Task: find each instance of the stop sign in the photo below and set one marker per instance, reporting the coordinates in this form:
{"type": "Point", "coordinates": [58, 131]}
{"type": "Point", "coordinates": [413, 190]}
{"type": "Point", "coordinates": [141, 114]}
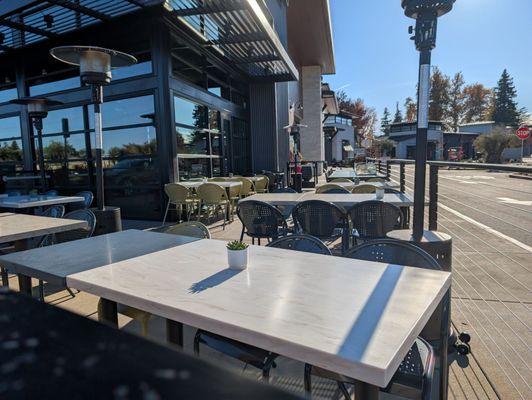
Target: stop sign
{"type": "Point", "coordinates": [523, 133]}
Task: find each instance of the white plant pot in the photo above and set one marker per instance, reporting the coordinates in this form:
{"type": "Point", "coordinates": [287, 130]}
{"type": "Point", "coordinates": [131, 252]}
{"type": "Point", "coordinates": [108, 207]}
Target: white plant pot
{"type": "Point", "coordinates": [237, 259]}
{"type": "Point", "coordinates": [379, 193]}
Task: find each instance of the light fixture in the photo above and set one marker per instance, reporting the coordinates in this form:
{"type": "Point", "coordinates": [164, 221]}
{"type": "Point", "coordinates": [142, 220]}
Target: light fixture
{"type": "Point", "coordinates": [37, 108]}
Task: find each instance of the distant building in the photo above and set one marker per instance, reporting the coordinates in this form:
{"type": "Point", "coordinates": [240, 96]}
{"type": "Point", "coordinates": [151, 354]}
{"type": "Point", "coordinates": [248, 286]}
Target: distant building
{"type": "Point", "coordinates": [339, 134]}
{"type": "Point", "coordinates": [403, 134]}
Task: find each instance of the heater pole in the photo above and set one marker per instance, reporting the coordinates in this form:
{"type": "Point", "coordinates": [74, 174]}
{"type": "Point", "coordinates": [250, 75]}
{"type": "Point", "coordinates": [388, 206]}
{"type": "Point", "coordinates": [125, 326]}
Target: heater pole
{"type": "Point", "coordinates": [37, 123]}
{"type": "Point", "coordinates": [97, 97]}
{"type": "Point", "coordinates": [421, 143]}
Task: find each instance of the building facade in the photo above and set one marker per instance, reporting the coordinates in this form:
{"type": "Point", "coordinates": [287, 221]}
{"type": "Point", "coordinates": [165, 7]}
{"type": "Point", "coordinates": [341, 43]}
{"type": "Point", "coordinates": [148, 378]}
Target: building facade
{"type": "Point", "coordinates": [403, 134]}
{"type": "Point", "coordinates": [340, 142]}
{"type": "Point", "coordinates": [210, 93]}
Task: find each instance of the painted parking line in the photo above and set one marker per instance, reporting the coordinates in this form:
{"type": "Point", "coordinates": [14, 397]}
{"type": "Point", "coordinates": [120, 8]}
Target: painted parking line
{"type": "Point", "coordinates": [515, 201]}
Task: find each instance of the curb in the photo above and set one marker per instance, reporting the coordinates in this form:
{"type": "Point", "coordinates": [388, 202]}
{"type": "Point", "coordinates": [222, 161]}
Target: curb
{"type": "Point", "coordinates": [519, 176]}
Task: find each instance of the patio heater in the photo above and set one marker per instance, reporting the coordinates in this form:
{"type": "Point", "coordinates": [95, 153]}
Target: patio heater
{"type": "Point", "coordinates": [426, 13]}
{"type": "Point", "coordinates": [294, 131]}
{"type": "Point", "coordinates": [95, 65]}
{"type": "Point", "coordinates": [38, 110]}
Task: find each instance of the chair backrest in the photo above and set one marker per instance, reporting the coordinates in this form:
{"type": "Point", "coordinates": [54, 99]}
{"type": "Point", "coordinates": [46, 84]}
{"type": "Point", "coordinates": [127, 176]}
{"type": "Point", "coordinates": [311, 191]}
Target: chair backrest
{"type": "Point", "coordinates": [247, 185]}
{"type": "Point", "coordinates": [392, 191]}
{"type": "Point", "coordinates": [341, 180]}
{"type": "Point", "coordinates": [52, 193]}
{"type": "Point", "coordinates": [55, 211]}
{"type": "Point", "coordinates": [306, 243]}
{"type": "Point", "coordinates": [262, 183]}
{"type": "Point", "coordinates": [217, 179]}
{"type": "Point", "coordinates": [211, 193]}
{"type": "Point", "coordinates": [393, 251]}
{"type": "Point", "coordinates": [373, 219]}
{"type": "Point", "coordinates": [272, 179]}
{"type": "Point", "coordinates": [318, 218]}
{"type": "Point", "coordinates": [13, 193]}
{"type": "Point", "coordinates": [86, 203]}
{"type": "Point", "coordinates": [190, 228]}
{"type": "Point", "coordinates": [331, 188]}
{"type": "Point", "coordinates": [261, 220]}
{"type": "Point", "coordinates": [176, 192]}
{"type": "Point", "coordinates": [375, 180]}
{"type": "Point", "coordinates": [75, 234]}
{"type": "Point", "coordinates": [284, 190]}
{"type": "Point", "coordinates": [364, 189]}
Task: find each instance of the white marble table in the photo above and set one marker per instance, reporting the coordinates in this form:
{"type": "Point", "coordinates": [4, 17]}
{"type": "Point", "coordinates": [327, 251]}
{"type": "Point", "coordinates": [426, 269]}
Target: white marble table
{"type": "Point", "coordinates": [18, 228]}
{"type": "Point", "coordinates": [28, 201]}
{"type": "Point", "coordinates": [343, 173]}
{"type": "Point", "coordinates": [348, 200]}
{"type": "Point", "coordinates": [276, 199]}
{"type": "Point", "coordinates": [353, 317]}
{"type": "Point", "coordinates": [224, 184]}
{"type": "Point", "coordinates": [54, 263]}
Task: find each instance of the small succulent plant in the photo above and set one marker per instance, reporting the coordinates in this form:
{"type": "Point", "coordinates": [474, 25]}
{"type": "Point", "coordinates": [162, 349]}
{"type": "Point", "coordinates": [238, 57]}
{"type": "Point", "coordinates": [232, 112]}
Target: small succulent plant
{"type": "Point", "coordinates": [237, 245]}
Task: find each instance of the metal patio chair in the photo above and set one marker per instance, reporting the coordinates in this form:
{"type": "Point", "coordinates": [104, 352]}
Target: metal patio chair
{"type": "Point", "coordinates": [189, 228]}
{"type": "Point", "coordinates": [344, 180]}
{"type": "Point", "coordinates": [261, 184]}
{"type": "Point", "coordinates": [321, 219]}
{"type": "Point", "coordinates": [331, 188]}
{"type": "Point", "coordinates": [180, 197]}
{"type": "Point", "coordinates": [247, 188]}
{"type": "Point", "coordinates": [214, 198]}
{"type": "Point", "coordinates": [305, 243]}
{"type": "Point", "coordinates": [413, 379]}
{"type": "Point", "coordinates": [82, 205]}
{"type": "Point", "coordinates": [363, 189]}
{"type": "Point", "coordinates": [373, 219]}
{"type": "Point", "coordinates": [52, 193]}
{"type": "Point", "coordinates": [261, 221]}
{"type": "Point", "coordinates": [381, 180]}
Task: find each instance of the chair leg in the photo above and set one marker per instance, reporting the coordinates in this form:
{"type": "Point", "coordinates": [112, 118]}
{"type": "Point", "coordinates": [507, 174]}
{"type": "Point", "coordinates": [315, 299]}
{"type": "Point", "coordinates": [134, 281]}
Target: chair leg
{"type": "Point", "coordinates": [242, 234]}
{"type": "Point", "coordinates": [259, 241]}
{"type": "Point", "coordinates": [307, 380]}
{"type": "Point", "coordinates": [70, 292]}
{"type": "Point", "coordinates": [197, 343]}
{"type": "Point", "coordinates": [166, 212]}
{"type": "Point", "coordinates": [344, 390]}
{"type": "Point", "coordinates": [144, 326]}
{"type": "Point", "coordinates": [41, 291]}
{"type": "Point", "coordinates": [5, 278]}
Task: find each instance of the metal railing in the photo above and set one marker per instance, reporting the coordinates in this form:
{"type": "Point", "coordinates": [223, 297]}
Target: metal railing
{"type": "Point", "coordinates": [384, 166]}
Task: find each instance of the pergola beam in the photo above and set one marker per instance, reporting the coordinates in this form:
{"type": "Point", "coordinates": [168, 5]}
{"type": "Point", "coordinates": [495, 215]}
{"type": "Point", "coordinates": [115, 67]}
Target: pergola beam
{"type": "Point", "coordinates": [210, 8]}
{"type": "Point", "coordinates": [81, 9]}
{"type": "Point", "coordinates": [27, 28]}
{"type": "Point", "coordinates": [242, 38]}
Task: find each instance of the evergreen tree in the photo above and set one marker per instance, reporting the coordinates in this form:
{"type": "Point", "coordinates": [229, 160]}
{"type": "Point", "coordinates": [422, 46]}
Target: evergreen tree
{"type": "Point", "coordinates": [385, 120]}
{"type": "Point", "coordinates": [505, 107]}
{"type": "Point", "coordinates": [439, 95]}
{"type": "Point", "coordinates": [456, 102]}
{"type": "Point", "coordinates": [398, 117]}
{"type": "Point", "coordinates": [410, 110]}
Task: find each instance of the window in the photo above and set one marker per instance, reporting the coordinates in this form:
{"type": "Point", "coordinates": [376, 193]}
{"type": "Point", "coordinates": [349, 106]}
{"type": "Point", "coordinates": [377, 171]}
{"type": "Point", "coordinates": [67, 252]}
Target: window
{"type": "Point", "coordinates": [7, 93]}
{"type": "Point", "coordinates": [10, 145]}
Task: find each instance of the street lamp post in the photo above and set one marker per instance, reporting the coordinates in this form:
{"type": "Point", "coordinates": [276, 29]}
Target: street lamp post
{"type": "Point", "coordinates": [37, 111]}
{"type": "Point", "coordinates": [426, 13]}
{"type": "Point", "coordinates": [95, 64]}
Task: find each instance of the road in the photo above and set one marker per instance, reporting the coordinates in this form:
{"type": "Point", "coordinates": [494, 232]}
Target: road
{"type": "Point", "coordinates": [489, 217]}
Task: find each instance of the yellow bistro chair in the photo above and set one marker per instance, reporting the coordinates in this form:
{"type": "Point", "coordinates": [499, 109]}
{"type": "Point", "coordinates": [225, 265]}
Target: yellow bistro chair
{"type": "Point", "coordinates": [262, 183]}
{"type": "Point", "coordinates": [363, 189]}
{"type": "Point", "coordinates": [179, 196]}
{"type": "Point", "coordinates": [214, 198]}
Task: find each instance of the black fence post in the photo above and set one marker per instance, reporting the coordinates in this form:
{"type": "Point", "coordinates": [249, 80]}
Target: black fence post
{"type": "Point", "coordinates": [379, 166]}
{"type": "Point", "coordinates": [388, 170]}
{"type": "Point", "coordinates": [402, 177]}
{"type": "Point", "coordinates": [433, 198]}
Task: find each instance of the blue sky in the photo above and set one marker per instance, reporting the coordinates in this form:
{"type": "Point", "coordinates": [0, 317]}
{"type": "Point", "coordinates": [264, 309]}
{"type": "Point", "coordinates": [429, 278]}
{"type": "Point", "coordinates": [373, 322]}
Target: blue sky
{"type": "Point", "coordinates": [376, 61]}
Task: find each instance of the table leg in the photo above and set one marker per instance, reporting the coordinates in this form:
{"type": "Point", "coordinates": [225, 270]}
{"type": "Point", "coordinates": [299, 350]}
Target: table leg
{"type": "Point", "coordinates": [5, 278]}
{"type": "Point", "coordinates": [444, 343]}
{"type": "Point", "coordinates": [174, 332]}
{"type": "Point", "coordinates": [107, 312]}
{"type": "Point", "coordinates": [366, 391]}
{"type": "Point", "coordinates": [24, 284]}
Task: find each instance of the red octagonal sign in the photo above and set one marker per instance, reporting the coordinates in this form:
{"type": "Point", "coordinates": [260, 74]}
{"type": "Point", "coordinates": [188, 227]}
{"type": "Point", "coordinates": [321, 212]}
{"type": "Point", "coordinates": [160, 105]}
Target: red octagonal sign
{"type": "Point", "coordinates": [523, 133]}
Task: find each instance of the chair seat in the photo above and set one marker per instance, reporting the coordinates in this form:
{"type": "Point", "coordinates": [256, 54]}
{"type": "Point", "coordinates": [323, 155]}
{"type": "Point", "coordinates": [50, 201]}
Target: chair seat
{"type": "Point", "coordinates": [246, 353]}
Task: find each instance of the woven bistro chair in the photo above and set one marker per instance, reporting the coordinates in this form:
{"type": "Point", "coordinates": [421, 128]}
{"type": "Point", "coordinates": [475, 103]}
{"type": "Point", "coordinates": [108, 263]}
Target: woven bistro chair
{"type": "Point", "coordinates": [251, 355]}
{"type": "Point", "coordinates": [189, 228]}
{"type": "Point", "coordinates": [248, 188]}
{"type": "Point", "coordinates": [305, 243]}
{"type": "Point", "coordinates": [381, 180]}
{"type": "Point", "coordinates": [363, 189]}
{"type": "Point", "coordinates": [214, 198]}
{"type": "Point", "coordinates": [331, 188]}
{"type": "Point", "coordinates": [234, 196]}
{"type": "Point", "coordinates": [85, 203]}
{"type": "Point", "coordinates": [413, 378]}
{"type": "Point", "coordinates": [261, 221]}
{"type": "Point", "coordinates": [261, 184]}
{"type": "Point", "coordinates": [180, 197]}
{"type": "Point", "coordinates": [373, 219]}
{"type": "Point", "coordinates": [321, 219]}
{"type": "Point", "coordinates": [217, 179]}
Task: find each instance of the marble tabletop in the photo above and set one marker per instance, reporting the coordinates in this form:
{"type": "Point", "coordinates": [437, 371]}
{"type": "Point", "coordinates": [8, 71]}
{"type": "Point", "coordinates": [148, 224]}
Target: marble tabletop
{"type": "Point", "coordinates": [353, 317]}
{"type": "Point", "coordinates": [350, 199]}
{"type": "Point", "coordinates": [27, 201]}
{"type": "Point", "coordinates": [343, 173]}
{"type": "Point", "coordinates": [277, 199]}
{"type": "Point", "coordinates": [50, 353]}
{"type": "Point", "coordinates": [22, 226]}
{"type": "Point", "coordinates": [55, 263]}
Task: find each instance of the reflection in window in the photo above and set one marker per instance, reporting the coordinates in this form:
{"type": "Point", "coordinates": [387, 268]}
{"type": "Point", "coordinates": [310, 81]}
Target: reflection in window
{"type": "Point", "coordinates": [10, 145]}
{"type": "Point", "coordinates": [188, 113]}
{"type": "Point", "coordinates": [142, 68]}
{"type": "Point", "coordinates": [55, 86]}
{"type": "Point", "coordinates": [7, 94]}
{"type": "Point", "coordinates": [59, 148]}
{"type": "Point", "coordinates": [135, 110]}
{"type": "Point", "coordinates": [190, 168]}
{"type": "Point", "coordinates": [66, 120]}
{"type": "Point", "coordinates": [128, 142]}
{"type": "Point", "coordinates": [191, 141]}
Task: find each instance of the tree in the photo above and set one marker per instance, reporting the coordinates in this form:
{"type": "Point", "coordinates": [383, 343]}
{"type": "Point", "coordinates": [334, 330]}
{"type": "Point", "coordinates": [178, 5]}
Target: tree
{"type": "Point", "coordinates": [385, 120]}
{"type": "Point", "coordinates": [523, 117]}
{"type": "Point", "coordinates": [410, 110]}
{"type": "Point", "coordinates": [55, 151]}
{"type": "Point", "coordinates": [364, 117]}
{"type": "Point", "coordinates": [505, 107]}
{"type": "Point", "coordinates": [386, 147]}
{"type": "Point", "coordinates": [439, 96]}
{"type": "Point", "coordinates": [456, 102]}
{"type": "Point", "coordinates": [477, 100]}
{"type": "Point", "coordinates": [398, 117]}
{"type": "Point", "coordinates": [493, 144]}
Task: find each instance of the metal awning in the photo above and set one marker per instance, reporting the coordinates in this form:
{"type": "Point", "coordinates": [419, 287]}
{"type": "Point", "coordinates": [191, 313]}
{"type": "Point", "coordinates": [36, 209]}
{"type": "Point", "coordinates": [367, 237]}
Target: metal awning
{"type": "Point", "coordinates": [348, 147]}
{"type": "Point", "coordinates": [241, 31]}
{"type": "Point", "coordinates": [23, 22]}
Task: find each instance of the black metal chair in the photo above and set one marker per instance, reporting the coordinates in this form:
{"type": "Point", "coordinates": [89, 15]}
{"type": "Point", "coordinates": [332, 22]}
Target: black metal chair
{"type": "Point", "coordinates": [404, 210]}
{"type": "Point", "coordinates": [55, 211]}
{"type": "Point", "coordinates": [321, 219]}
{"type": "Point", "coordinates": [52, 193]}
{"type": "Point", "coordinates": [13, 193]}
{"type": "Point", "coordinates": [373, 219]}
{"type": "Point", "coordinates": [306, 243]}
{"type": "Point", "coordinates": [82, 205]}
{"type": "Point", "coordinates": [255, 356]}
{"type": "Point", "coordinates": [335, 191]}
{"type": "Point", "coordinates": [284, 190]}
{"type": "Point", "coordinates": [261, 220]}
{"type": "Point", "coordinates": [74, 234]}
{"type": "Point", "coordinates": [413, 378]}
